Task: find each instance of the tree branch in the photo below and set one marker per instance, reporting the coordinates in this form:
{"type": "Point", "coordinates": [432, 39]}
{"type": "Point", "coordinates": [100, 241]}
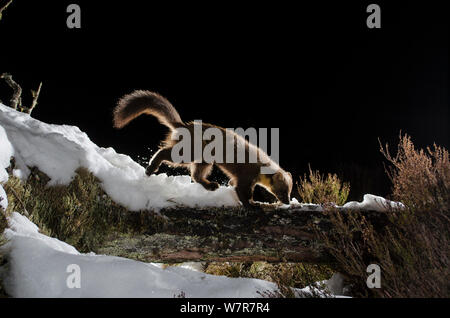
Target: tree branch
{"type": "Point", "coordinates": [35, 95]}
{"type": "Point", "coordinates": [16, 99]}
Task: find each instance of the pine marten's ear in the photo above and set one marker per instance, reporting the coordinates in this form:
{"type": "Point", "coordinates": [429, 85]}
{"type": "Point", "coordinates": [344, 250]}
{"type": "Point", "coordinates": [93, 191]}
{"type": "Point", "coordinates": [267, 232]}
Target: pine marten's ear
{"type": "Point", "coordinates": [290, 174]}
{"type": "Point", "coordinates": [277, 176]}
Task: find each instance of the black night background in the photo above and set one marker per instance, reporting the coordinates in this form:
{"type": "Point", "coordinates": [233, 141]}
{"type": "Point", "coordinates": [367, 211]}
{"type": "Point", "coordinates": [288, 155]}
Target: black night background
{"type": "Point", "coordinates": [315, 71]}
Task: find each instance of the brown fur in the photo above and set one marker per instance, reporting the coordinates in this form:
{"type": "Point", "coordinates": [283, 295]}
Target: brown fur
{"type": "Point", "coordinates": [244, 176]}
{"type": "Point", "coordinates": [137, 103]}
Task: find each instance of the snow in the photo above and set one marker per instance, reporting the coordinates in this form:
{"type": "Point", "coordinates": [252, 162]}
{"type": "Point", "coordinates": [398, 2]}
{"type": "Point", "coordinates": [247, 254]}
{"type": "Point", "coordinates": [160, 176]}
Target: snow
{"type": "Point", "coordinates": [3, 199]}
{"type": "Point", "coordinates": [38, 268]}
{"type": "Point", "coordinates": [193, 266]}
{"type": "Point", "coordinates": [301, 206]}
{"type": "Point", "coordinates": [20, 226]}
{"type": "Point", "coordinates": [374, 203]}
{"type": "Point", "coordinates": [370, 202]}
{"type": "Point", "coordinates": [6, 151]}
{"type": "Point", "coordinates": [58, 150]}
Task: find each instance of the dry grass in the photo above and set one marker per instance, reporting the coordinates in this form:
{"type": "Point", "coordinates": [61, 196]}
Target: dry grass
{"type": "Point", "coordinates": [3, 222]}
{"type": "Point", "coordinates": [287, 276]}
{"type": "Point", "coordinates": [321, 189]}
{"type": "Point", "coordinates": [80, 214]}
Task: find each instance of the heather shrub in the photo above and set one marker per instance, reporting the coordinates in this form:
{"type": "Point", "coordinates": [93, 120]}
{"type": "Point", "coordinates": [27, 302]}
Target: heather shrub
{"type": "Point", "coordinates": [321, 189]}
{"type": "Point", "coordinates": [412, 247]}
{"type": "Point", "coordinates": [420, 178]}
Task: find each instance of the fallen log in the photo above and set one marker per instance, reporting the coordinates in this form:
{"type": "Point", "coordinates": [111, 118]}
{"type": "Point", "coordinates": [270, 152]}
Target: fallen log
{"type": "Point", "coordinates": [230, 235]}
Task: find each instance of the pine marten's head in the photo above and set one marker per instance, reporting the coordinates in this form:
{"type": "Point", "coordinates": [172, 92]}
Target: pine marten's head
{"type": "Point", "coordinates": [279, 183]}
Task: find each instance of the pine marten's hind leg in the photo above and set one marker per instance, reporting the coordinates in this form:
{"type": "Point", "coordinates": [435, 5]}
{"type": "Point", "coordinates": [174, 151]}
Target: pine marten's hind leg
{"type": "Point", "coordinates": [161, 155]}
{"type": "Point", "coordinates": [244, 191]}
{"type": "Point", "coordinates": [199, 172]}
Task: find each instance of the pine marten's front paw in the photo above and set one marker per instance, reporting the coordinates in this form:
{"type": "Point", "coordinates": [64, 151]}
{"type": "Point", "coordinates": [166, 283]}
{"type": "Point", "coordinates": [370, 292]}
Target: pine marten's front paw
{"type": "Point", "coordinates": [150, 170]}
{"type": "Point", "coordinates": [211, 186]}
{"type": "Point", "coordinates": [252, 205]}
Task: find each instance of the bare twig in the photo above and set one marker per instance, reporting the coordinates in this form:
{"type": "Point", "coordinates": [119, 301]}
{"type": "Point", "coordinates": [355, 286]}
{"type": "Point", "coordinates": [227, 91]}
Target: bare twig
{"type": "Point", "coordinates": [16, 99]}
{"type": "Point", "coordinates": [35, 95]}
{"type": "Point", "coordinates": [3, 8]}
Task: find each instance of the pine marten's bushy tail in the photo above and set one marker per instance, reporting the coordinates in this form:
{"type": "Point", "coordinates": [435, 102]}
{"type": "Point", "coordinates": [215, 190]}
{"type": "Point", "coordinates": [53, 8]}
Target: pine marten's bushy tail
{"type": "Point", "coordinates": [145, 102]}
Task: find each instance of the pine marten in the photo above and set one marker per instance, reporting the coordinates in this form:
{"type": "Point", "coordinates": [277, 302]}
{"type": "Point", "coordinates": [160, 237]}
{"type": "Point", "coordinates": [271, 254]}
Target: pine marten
{"type": "Point", "coordinates": [243, 176]}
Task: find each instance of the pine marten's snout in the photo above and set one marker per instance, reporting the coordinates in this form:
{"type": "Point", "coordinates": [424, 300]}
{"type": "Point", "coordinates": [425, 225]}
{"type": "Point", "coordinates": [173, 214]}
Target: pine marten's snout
{"type": "Point", "coordinates": [283, 186]}
{"type": "Point", "coordinates": [280, 184]}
